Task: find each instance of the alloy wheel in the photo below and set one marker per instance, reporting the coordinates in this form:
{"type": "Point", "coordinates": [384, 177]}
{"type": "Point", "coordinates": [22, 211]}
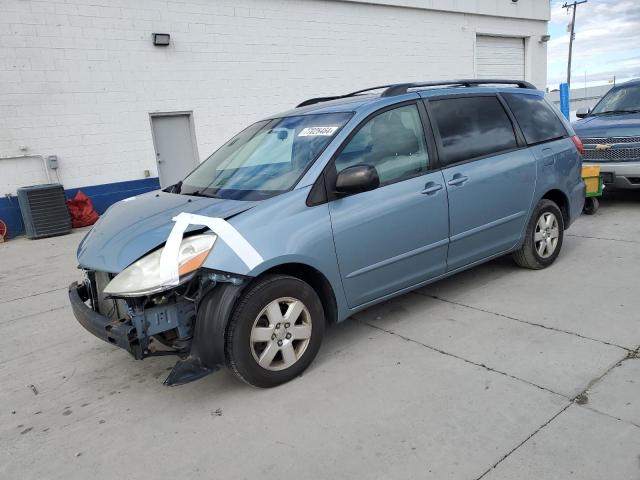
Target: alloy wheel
{"type": "Point", "coordinates": [546, 234]}
{"type": "Point", "coordinates": [281, 333]}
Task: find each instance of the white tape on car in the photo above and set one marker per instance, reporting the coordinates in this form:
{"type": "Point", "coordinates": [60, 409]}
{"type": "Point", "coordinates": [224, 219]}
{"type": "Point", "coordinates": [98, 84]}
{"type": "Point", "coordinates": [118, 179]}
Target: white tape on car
{"type": "Point", "coordinates": [223, 229]}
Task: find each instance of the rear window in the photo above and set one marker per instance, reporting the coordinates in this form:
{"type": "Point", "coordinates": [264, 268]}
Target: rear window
{"type": "Point", "coordinates": [471, 127]}
{"type": "Point", "coordinates": [538, 121]}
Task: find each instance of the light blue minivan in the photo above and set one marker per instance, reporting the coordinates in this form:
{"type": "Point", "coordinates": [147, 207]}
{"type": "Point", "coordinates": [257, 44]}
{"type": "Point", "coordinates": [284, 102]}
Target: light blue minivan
{"type": "Point", "coordinates": [309, 216]}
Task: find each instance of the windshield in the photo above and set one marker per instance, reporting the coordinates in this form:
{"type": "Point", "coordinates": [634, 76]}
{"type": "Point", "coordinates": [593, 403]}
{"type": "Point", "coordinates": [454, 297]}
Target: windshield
{"type": "Point", "coordinates": [265, 159]}
{"type": "Point", "coordinates": [626, 99]}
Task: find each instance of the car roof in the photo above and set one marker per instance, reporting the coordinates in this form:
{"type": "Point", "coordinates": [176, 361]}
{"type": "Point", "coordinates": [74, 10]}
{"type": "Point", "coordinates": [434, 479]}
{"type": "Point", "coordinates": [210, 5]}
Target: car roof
{"type": "Point", "coordinates": [403, 92]}
{"type": "Point", "coordinates": [631, 83]}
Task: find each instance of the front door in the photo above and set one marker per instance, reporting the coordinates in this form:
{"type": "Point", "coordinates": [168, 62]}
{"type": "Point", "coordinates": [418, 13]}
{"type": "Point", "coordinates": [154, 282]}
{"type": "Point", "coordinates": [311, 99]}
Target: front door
{"type": "Point", "coordinates": [174, 141]}
{"type": "Point", "coordinates": [395, 236]}
{"type": "Point", "coordinates": [490, 179]}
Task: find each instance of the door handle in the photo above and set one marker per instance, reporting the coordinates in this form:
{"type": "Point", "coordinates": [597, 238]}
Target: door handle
{"type": "Point", "coordinates": [431, 188]}
{"type": "Point", "coordinates": [458, 179]}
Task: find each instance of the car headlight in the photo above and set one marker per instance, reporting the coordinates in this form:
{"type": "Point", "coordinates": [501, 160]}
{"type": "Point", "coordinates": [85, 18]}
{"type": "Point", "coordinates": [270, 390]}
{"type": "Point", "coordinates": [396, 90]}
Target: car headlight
{"type": "Point", "coordinates": [143, 276]}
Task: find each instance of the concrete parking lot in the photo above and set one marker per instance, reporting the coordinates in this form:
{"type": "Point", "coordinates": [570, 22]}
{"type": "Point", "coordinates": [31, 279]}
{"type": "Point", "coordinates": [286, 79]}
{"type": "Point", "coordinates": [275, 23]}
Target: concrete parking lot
{"type": "Point", "coordinates": [497, 373]}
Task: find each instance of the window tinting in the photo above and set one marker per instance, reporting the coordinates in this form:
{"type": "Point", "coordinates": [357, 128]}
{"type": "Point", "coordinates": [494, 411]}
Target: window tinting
{"type": "Point", "coordinates": [392, 142]}
{"type": "Point", "coordinates": [471, 127]}
{"type": "Point", "coordinates": [538, 121]}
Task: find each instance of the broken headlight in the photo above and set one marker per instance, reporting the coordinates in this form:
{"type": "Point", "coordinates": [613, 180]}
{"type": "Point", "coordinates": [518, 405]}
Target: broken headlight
{"type": "Point", "coordinates": [143, 276]}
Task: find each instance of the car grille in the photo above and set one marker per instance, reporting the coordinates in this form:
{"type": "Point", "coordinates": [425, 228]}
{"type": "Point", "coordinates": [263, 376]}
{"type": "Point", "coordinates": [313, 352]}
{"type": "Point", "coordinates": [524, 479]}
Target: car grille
{"type": "Point", "coordinates": [612, 154]}
{"type": "Point", "coordinates": [609, 140]}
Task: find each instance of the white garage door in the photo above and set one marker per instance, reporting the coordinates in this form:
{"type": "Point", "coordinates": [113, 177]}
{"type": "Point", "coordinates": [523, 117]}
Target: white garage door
{"type": "Point", "coordinates": [500, 57]}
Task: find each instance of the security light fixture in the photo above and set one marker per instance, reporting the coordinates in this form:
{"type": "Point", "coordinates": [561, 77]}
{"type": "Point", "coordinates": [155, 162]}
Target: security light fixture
{"type": "Point", "coordinates": [545, 38]}
{"type": "Point", "coordinates": [161, 39]}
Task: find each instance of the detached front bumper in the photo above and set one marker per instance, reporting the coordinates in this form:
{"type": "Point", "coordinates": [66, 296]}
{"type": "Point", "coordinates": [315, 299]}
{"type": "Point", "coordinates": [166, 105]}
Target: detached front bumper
{"type": "Point", "coordinates": [116, 332]}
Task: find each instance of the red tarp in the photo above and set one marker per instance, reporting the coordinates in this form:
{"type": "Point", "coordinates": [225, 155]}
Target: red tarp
{"type": "Point", "coordinates": [82, 211]}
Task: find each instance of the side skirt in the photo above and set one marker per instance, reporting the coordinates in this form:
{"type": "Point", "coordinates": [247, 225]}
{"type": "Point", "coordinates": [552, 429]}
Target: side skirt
{"type": "Point", "coordinates": [427, 282]}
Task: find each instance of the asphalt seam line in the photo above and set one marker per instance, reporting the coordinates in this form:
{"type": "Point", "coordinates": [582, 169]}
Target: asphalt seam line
{"type": "Point", "coordinates": [34, 314]}
{"type": "Point", "coordinates": [482, 365]}
{"type": "Point", "coordinates": [600, 412]}
{"type": "Point", "coordinates": [32, 295]}
{"type": "Point", "coordinates": [524, 441]}
{"type": "Point", "coordinates": [602, 238]}
{"type": "Point", "coordinates": [630, 356]}
{"type": "Point", "coordinates": [533, 324]}
{"type": "Point", "coordinates": [573, 401]}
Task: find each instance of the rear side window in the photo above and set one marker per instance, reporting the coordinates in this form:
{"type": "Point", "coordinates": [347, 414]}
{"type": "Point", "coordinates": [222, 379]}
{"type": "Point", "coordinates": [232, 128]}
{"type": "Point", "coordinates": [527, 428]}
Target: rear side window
{"type": "Point", "coordinates": [538, 121]}
{"type": "Point", "coordinates": [471, 127]}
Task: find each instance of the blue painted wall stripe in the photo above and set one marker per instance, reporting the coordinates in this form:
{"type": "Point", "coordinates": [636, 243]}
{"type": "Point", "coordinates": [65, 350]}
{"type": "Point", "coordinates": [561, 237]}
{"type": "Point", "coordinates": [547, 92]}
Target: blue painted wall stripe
{"type": "Point", "coordinates": [102, 196]}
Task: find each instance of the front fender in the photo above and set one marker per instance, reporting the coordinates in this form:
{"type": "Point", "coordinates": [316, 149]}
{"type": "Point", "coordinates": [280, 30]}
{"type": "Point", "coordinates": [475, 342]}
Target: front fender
{"type": "Point", "coordinates": [284, 230]}
{"type": "Point", "coordinates": [207, 348]}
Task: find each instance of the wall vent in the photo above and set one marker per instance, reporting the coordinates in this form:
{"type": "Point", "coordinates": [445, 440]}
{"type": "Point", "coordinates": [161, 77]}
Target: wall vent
{"type": "Point", "coordinates": [44, 210]}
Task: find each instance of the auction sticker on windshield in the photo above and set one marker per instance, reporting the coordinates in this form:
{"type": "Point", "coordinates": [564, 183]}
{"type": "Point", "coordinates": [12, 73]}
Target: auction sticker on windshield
{"type": "Point", "coordinates": [317, 131]}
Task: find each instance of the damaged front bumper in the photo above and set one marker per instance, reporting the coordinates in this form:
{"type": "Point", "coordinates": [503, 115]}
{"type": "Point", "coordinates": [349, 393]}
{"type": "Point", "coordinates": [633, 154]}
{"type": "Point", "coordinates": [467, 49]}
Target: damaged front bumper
{"type": "Point", "coordinates": [134, 331]}
{"type": "Point", "coordinates": [168, 324]}
{"type": "Point", "coordinates": [117, 332]}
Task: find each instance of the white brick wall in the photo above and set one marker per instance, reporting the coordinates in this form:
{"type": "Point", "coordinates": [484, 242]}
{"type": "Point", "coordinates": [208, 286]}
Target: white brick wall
{"type": "Point", "coordinates": [79, 78]}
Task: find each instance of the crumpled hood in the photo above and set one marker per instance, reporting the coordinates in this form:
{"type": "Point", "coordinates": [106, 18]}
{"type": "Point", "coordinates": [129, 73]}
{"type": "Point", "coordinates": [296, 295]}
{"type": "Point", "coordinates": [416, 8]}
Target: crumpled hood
{"type": "Point", "coordinates": [626, 125]}
{"type": "Point", "coordinates": [133, 227]}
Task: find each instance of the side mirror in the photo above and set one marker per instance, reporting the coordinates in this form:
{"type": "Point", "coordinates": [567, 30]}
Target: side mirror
{"type": "Point", "coordinates": [357, 178]}
{"type": "Point", "coordinates": [582, 112]}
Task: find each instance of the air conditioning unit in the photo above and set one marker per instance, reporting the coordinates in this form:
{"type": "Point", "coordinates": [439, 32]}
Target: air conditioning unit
{"type": "Point", "coordinates": [44, 210]}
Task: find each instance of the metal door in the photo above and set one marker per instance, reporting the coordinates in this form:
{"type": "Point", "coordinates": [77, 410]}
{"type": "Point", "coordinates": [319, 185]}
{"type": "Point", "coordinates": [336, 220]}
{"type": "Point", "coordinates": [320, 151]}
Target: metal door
{"type": "Point", "coordinates": [500, 57]}
{"type": "Point", "coordinates": [395, 236]}
{"type": "Point", "coordinates": [392, 237]}
{"type": "Point", "coordinates": [174, 142]}
{"type": "Point", "coordinates": [489, 202]}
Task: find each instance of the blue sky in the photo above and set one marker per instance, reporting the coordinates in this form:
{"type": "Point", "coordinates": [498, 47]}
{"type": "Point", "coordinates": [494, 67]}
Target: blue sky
{"type": "Point", "coordinates": [607, 42]}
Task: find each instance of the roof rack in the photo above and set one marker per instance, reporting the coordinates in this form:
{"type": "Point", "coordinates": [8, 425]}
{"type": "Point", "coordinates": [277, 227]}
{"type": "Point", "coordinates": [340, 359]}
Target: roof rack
{"type": "Point", "coordinates": [400, 88]}
{"type": "Point", "coordinates": [312, 101]}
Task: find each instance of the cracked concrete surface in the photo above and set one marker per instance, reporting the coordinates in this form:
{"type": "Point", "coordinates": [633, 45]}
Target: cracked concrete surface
{"type": "Point", "coordinates": [497, 373]}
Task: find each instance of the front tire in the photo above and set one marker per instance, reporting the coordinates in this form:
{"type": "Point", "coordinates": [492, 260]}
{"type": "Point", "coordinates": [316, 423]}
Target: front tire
{"type": "Point", "coordinates": [543, 237]}
{"type": "Point", "coordinates": [275, 331]}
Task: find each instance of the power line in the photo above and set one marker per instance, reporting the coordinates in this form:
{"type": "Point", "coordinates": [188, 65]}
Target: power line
{"type": "Point", "coordinates": [573, 5]}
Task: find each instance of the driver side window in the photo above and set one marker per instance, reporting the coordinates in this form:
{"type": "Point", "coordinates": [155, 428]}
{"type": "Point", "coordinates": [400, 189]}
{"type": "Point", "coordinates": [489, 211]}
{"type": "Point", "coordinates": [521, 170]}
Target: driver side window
{"type": "Point", "coordinates": [392, 142]}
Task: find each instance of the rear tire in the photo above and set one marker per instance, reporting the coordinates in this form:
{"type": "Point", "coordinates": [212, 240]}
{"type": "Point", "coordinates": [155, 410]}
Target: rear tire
{"type": "Point", "coordinates": [543, 237]}
{"type": "Point", "coordinates": [591, 205]}
{"type": "Point", "coordinates": [275, 331]}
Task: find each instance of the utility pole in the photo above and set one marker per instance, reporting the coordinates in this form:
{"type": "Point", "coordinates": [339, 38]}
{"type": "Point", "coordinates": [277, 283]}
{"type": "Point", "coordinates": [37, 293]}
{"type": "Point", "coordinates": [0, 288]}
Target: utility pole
{"type": "Point", "coordinates": [573, 5]}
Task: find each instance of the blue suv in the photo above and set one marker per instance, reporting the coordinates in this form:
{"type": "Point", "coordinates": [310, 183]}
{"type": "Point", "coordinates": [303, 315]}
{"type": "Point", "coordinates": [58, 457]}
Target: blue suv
{"type": "Point", "coordinates": [306, 217]}
{"type": "Point", "coordinates": [611, 136]}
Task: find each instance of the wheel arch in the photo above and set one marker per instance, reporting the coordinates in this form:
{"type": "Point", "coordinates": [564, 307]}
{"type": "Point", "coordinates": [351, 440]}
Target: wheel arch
{"type": "Point", "coordinates": [316, 279]}
{"type": "Point", "coordinates": [562, 200]}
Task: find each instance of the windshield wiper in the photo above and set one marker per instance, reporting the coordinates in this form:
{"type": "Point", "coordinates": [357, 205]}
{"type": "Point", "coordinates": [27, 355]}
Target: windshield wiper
{"type": "Point", "coordinates": [613, 112]}
{"type": "Point", "coordinates": [198, 193]}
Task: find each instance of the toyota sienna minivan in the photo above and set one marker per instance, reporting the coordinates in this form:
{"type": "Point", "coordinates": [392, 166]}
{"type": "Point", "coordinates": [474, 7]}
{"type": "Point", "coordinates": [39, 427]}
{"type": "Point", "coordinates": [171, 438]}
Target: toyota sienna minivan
{"type": "Point", "coordinates": [308, 216]}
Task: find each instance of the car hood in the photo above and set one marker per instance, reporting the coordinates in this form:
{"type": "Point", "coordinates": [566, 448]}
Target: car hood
{"type": "Point", "coordinates": [627, 125]}
{"type": "Point", "coordinates": [133, 227]}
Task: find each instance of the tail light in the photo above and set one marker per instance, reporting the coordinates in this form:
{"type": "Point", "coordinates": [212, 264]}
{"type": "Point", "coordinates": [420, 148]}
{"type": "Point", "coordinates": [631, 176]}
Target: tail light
{"type": "Point", "coordinates": [578, 143]}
